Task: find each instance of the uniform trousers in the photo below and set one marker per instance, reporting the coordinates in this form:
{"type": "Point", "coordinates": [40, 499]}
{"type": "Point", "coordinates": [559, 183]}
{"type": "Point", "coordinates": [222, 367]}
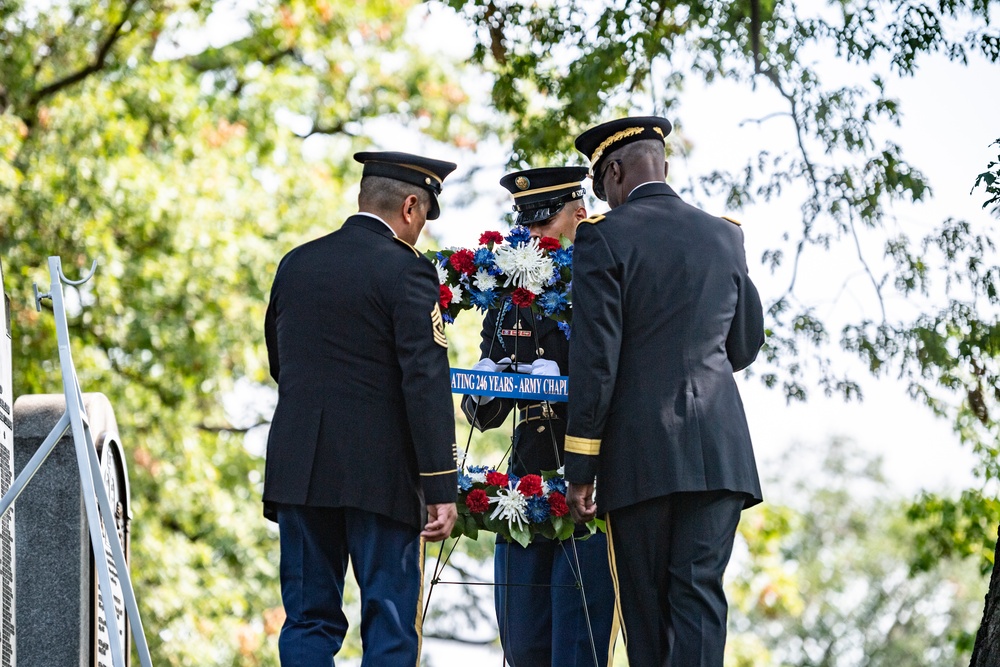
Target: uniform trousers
{"type": "Point", "coordinates": [539, 607]}
{"type": "Point", "coordinates": [668, 555]}
{"type": "Point", "coordinates": [387, 559]}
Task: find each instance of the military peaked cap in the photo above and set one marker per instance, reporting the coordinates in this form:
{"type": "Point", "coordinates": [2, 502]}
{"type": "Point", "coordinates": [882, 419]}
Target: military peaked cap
{"type": "Point", "coordinates": [424, 172]}
{"type": "Point", "coordinates": [541, 193]}
{"type": "Point", "coordinates": [600, 141]}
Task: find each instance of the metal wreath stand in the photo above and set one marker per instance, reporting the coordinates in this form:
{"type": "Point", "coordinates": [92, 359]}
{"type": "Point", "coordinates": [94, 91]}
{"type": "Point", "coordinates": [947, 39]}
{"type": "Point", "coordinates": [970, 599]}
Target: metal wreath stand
{"type": "Point", "coordinates": [569, 553]}
{"type": "Point", "coordinates": [94, 495]}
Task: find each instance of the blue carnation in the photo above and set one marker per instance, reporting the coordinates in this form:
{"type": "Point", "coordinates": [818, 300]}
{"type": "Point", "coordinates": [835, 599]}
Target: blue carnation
{"type": "Point", "coordinates": [552, 302]}
{"type": "Point", "coordinates": [562, 257]}
{"type": "Point", "coordinates": [557, 484]}
{"type": "Point", "coordinates": [464, 481]}
{"type": "Point", "coordinates": [480, 469]}
{"type": "Point", "coordinates": [537, 510]}
{"type": "Point", "coordinates": [483, 300]}
{"type": "Point", "coordinates": [512, 480]}
{"type": "Point", "coordinates": [484, 258]}
{"type": "Point", "coordinates": [447, 318]}
{"type": "Point", "coordinates": [564, 327]}
{"type": "Point", "coordinates": [440, 256]}
{"type": "Point", "coordinates": [518, 235]}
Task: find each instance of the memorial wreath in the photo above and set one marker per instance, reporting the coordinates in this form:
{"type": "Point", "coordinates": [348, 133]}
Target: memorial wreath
{"type": "Point", "coordinates": [518, 508]}
{"type": "Point", "coordinates": [527, 272]}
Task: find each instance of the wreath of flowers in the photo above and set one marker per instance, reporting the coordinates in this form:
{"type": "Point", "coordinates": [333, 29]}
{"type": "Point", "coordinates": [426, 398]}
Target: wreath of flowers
{"type": "Point", "coordinates": [527, 272]}
{"type": "Point", "coordinates": [519, 508]}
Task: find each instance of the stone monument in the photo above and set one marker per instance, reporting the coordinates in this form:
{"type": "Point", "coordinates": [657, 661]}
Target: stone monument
{"type": "Point", "coordinates": [61, 617]}
{"type": "Point", "coordinates": [7, 638]}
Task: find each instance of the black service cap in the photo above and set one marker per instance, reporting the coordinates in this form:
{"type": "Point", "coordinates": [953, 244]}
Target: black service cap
{"type": "Point", "coordinates": [541, 193]}
{"type": "Point", "coordinates": [597, 142]}
{"type": "Point", "coordinates": [424, 172]}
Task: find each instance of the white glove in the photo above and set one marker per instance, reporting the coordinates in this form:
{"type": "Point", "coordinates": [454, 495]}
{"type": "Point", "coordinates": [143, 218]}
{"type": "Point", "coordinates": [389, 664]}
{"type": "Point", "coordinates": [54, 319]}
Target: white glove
{"type": "Point", "coordinates": [489, 366]}
{"type": "Point", "coordinates": [538, 367]}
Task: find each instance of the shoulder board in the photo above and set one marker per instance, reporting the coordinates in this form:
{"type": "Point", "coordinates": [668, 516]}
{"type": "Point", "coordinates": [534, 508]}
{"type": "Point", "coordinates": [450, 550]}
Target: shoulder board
{"type": "Point", "coordinates": [735, 222]}
{"type": "Point", "coordinates": [594, 219]}
{"type": "Point", "coordinates": [415, 251]}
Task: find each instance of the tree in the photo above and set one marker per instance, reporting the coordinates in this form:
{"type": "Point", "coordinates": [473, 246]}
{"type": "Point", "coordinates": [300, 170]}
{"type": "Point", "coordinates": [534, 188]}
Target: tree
{"type": "Point", "coordinates": [987, 646]}
{"type": "Point", "coordinates": [561, 66]}
{"type": "Point", "coordinates": [187, 166]}
{"type": "Point", "coordinates": [827, 576]}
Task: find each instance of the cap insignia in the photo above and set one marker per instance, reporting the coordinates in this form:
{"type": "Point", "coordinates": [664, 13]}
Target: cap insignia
{"type": "Point", "coordinates": [522, 183]}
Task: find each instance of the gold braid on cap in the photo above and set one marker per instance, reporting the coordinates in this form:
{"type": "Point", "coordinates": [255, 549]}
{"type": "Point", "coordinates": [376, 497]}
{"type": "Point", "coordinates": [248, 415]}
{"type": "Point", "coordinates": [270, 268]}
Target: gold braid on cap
{"type": "Point", "coordinates": [617, 136]}
{"type": "Point", "coordinates": [538, 191]}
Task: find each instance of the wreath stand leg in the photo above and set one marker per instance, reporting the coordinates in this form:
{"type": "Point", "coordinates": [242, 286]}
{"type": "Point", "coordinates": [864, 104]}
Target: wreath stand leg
{"type": "Point", "coordinates": [574, 561]}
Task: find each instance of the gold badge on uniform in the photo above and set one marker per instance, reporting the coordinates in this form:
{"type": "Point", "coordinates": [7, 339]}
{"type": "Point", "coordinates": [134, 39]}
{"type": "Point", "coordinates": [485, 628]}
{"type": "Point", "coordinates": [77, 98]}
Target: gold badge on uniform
{"type": "Point", "coordinates": [437, 324]}
{"type": "Point", "coordinates": [522, 183]}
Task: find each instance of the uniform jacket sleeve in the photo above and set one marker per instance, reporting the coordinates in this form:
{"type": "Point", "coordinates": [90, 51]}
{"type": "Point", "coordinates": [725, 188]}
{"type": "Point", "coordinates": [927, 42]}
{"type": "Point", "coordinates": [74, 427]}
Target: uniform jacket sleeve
{"type": "Point", "coordinates": [493, 413]}
{"type": "Point", "coordinates": [271, 330]}
{"type": "Point", "coordinates": [746, 333]}
{"type": "Point", "coordinates": [426, 381]}
{"type": "Point", "coordinates": [594, 349]}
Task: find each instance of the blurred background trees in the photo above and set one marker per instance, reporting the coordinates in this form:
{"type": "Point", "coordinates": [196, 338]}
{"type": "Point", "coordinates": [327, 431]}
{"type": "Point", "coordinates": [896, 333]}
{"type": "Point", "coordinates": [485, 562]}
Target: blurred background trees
{"type": "Point", "coordinates": [188, 144]}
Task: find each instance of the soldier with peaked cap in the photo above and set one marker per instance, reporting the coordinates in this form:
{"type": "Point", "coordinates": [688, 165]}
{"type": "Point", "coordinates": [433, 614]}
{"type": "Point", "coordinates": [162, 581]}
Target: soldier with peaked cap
{"type": "Point", "coordinates": [663, 314]}
{"type": "Point", "coordinates": [360, 458]}
{"type": "Point", "coordinates": [542, 576]}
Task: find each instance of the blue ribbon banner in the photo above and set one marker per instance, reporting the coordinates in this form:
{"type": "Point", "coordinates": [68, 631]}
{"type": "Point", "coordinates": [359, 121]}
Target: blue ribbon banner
{"type": "Point", "coordinates": [552, 388]}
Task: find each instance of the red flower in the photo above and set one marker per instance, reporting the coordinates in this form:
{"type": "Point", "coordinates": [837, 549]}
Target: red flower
{"type": "Point", "coordinates": [557, 504]}
{"type": "Point", "coordinates": [497, 478]}
{"type": "Point", "coordinates": [530, 485]}
{"type": "Point", "coordinates": [478, 502]}
{"type": "Point", "coordinates": [549, 243]}
{"type": "Point", "coordinates": [462, 261]}
{"type": "Point", "coordinates": [522, 297]}
{"type": "Point", "coordinates": [445, 297]}
{"type": "Point", "coordinates": [490, 237]}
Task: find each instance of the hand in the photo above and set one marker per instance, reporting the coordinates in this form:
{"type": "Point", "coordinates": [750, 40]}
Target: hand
{"type": "Point", "coordinates": [440, 520]}
{"type": "Point", "coordinates": [538, 367]}
{"type": "Point", "coordinates": [580, 498]}
{"type": "Point", "coordinates": [489, 366]}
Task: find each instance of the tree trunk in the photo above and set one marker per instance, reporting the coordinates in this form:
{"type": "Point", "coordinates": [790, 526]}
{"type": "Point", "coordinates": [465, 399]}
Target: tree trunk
{"type": "Point", "coordinates": [987, 649]}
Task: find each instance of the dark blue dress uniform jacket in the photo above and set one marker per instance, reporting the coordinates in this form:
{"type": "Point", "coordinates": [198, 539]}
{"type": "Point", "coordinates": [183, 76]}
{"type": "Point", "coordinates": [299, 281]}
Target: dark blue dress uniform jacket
{"type": "Point", "coordinates": [663, 314]}
{"type": "Point", "coordinates": [538, 443]}
{"type": "Point", "coordinates": [365, 417]}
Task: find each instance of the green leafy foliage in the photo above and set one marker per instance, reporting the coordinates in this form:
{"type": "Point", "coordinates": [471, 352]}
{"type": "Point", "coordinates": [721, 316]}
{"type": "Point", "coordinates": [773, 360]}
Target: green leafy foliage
{"type": "Point", "coordinates": [831, 574]}
{"type": "Point", "coordinates": [128, 136]}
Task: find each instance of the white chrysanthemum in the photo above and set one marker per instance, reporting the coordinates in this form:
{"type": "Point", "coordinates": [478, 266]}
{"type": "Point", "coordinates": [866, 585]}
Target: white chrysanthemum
{"type": "Point", "coordinates": [510, 506]}
{"type": "Point", "coordinates": [524, 265]}
{"type": "Point", "coordinates": [456, 293]}
{"type": "Point", "coordinates": [484, 281]}
{"type": "Point", "coordinates": [479, 477]}
{"type": "Point", "coordinates": [442, 272]}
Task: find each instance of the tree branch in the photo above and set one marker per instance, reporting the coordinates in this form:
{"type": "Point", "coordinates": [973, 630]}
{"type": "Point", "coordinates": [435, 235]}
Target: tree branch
{"type": "Point", "coordinates": [96, 66]}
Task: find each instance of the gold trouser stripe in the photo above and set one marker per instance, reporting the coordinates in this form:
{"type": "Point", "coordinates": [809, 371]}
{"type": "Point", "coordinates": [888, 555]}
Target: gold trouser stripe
{"type": "Point", "coordinates": [589, 446]}
{"type": "Point", "coordinates": [615, 626]}
{"type": "Point", "coordinates": [432, 474]}
{"type": "Point", "coordinates": [613, 566]}
{"type": "Point", "coordinates": [419, 625]}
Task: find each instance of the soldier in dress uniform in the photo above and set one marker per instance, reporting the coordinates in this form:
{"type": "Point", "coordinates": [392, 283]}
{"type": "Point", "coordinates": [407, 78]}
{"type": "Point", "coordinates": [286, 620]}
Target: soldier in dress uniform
{"type": "Point", "coordinates": [361, 456]}
{"type": "Point", "coordinates": [663, 314]}
{"type": "Point", "coordinates": [539, 605]}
